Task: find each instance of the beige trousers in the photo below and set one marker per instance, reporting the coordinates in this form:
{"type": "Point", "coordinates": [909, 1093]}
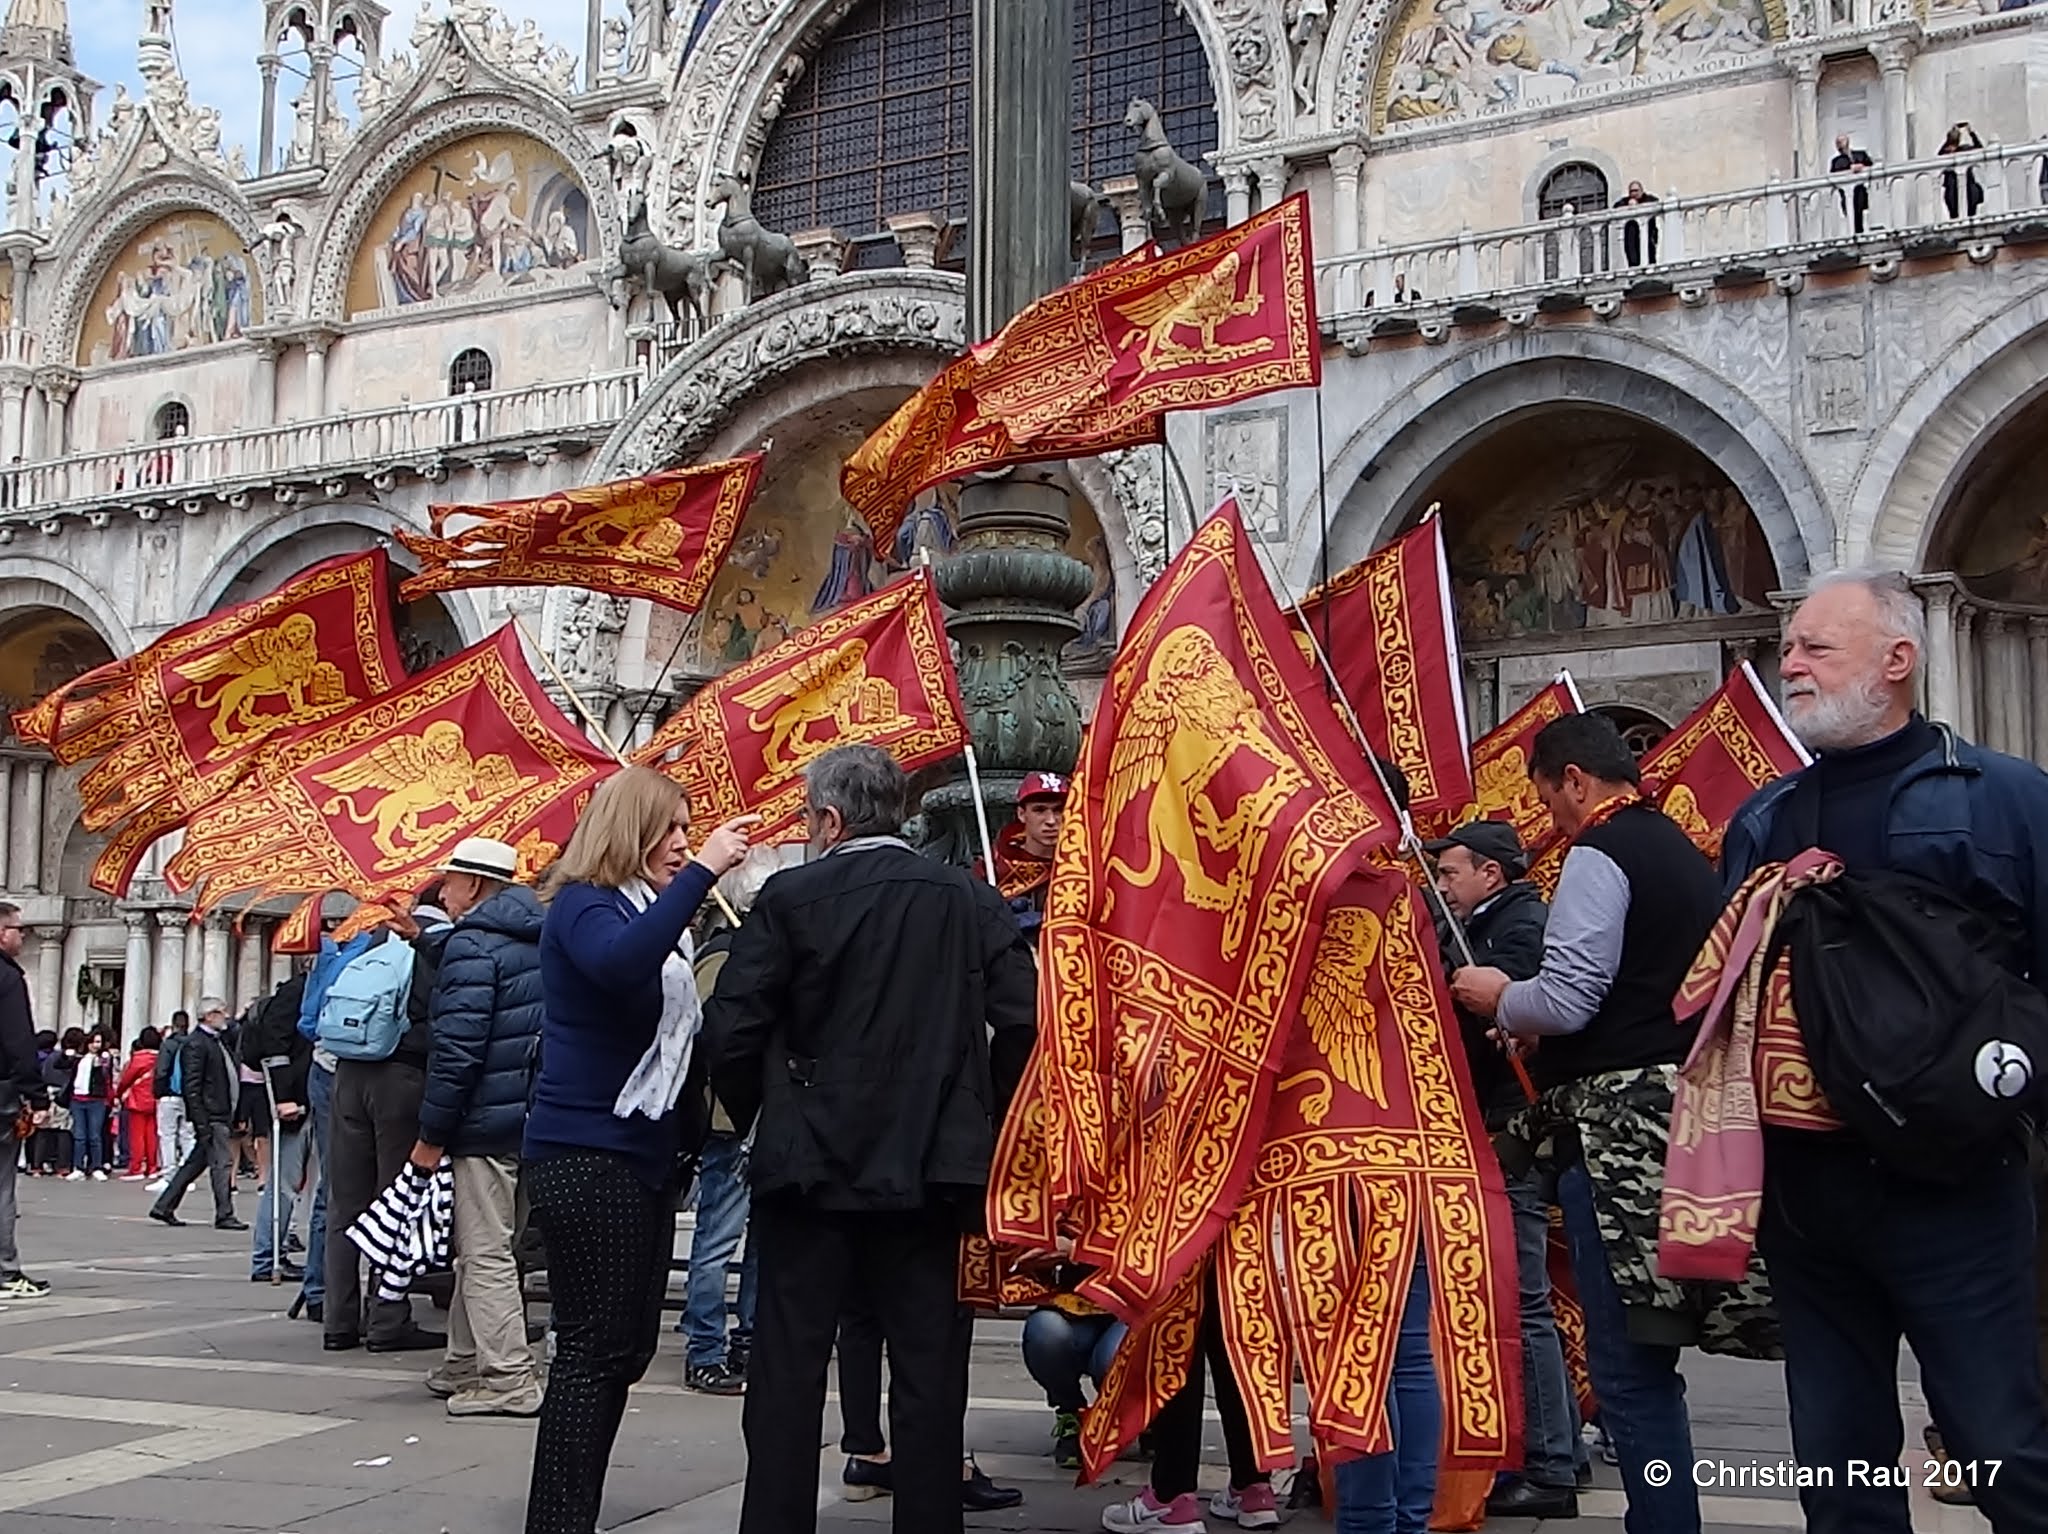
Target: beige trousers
{"type": "Point", "coordinates": [486, 1318]}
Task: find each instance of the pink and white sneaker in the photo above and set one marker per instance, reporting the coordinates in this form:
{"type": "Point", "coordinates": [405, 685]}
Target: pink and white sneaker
{"type": "Point", "coordinates": [1253, 1507]}
{"type": "Point", "coordinates": [1145, 1511]}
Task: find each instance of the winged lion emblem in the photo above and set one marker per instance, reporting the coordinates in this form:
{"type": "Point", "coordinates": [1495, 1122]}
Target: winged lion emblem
{"type": "Point", "coordinates": [279, 660]}
{"type": "Point", "coordinates": [1202, 301]}
{"type": "Point", "coordinates": [832, 688]}
{"type": "Point", "coordinates": [414, 776]}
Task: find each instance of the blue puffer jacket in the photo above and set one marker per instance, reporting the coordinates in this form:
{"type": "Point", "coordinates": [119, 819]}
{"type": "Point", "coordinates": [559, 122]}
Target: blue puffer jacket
{"type": "Point", "coordinates": [485, 1015]}
{"type": "Point", "coordinates": [1971, 820]}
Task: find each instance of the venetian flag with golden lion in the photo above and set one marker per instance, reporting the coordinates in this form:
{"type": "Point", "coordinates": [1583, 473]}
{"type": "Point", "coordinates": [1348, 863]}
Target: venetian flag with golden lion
{"type": "Point", "coordinates": [1720, 754]}
{"type": "Point", "coordinates": [168, 727]}
{"type": "Point", "coordinates": [878, 671]}
{"type": "Point", "coordinates": [371, 801]}
{"type": "Point", "coordinates": [661, 536]}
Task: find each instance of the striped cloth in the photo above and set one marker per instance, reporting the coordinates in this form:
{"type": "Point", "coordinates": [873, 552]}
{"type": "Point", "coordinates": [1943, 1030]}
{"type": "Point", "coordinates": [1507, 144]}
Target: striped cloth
{"type": "Point", "coordinates": [407, 1230]}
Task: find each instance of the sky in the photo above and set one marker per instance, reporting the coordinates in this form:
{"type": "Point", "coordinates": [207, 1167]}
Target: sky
{"type": "Point", "coordinates": [218, 41]}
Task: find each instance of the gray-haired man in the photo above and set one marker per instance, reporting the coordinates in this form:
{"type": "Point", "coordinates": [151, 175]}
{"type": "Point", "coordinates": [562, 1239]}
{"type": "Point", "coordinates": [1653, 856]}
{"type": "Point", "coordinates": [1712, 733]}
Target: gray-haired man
{"type": "Point", "coordinates": [209, 1079]}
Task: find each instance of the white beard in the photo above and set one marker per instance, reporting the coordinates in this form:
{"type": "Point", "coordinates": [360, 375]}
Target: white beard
{"type": "Point", "coordinates": [1839, 721]}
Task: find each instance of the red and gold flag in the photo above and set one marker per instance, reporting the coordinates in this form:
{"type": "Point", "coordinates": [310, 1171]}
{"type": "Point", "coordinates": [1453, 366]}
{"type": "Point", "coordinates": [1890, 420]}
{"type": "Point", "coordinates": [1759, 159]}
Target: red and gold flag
{"type": "Point", "coordinates": [661, 536]}
{"type": "Point", "coordinates": [1726, 749]}
{"type": "Point", "coordinates": [877, 671]}
{"type": "Point", "coordinates": [1096, 364]}
{"type": "Point", "coordinates": [168, 727]}
{"type": "Point", "coordinates": [1387, 628]}
{"type": "Point", "coordinates": [372, 801]}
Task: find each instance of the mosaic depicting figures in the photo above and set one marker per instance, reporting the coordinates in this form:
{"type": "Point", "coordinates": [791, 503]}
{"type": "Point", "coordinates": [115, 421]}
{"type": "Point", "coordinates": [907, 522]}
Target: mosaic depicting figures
{"type": "Point", "coordinates": [2002, 551]}
{"type": "Point", "coordinates": [1460, 58]}
{"type": "Point", "coordinates": [185, 281]}
{"type": "Point", "coordinates": [488, 215]}
{"type": "Point", "coordinates": [1603, 535]}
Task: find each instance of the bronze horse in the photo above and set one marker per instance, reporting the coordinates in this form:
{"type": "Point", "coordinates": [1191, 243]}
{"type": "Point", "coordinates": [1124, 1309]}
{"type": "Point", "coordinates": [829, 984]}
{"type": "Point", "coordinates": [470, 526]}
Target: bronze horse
{"type": "Point", "coordinates": [767, 261]}
{"type": "Point", "coordinates": [1170, 190]}
{"type": "Point", "coordinates": [682, 277]}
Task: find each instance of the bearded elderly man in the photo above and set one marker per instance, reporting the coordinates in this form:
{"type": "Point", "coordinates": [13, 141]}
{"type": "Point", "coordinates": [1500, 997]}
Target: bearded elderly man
{"type": "Point", "coordinates": [1859, 1254]}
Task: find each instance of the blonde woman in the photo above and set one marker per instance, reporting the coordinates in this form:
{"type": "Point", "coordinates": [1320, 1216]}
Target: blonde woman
{"type": "Point", "coordinates": [611, 1128]}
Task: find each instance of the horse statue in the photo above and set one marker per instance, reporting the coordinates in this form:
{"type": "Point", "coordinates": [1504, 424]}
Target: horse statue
{"type": "Point", "coordinates": [682, 277]}
{"type": "Point", "coordinates": [1082, 206]}
{"type": "Point", "coordinates": [768, 262]}
{"type": "Point", "coordinates": [1170, 190]}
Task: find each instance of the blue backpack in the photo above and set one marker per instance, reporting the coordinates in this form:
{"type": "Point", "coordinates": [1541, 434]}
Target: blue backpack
{"type": "Point", "coordinates": [363, 1015]}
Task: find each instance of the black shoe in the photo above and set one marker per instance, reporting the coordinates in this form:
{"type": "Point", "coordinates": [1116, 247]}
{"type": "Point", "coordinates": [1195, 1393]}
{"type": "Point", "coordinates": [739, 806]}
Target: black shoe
{"type": "Point", "coordinates": [1584, 1476]}
{"type": "Point", "coordinates": [231, 1223]}
{"type": "Point", "coordinates": [292, 1274]}
{"type": "Point", "coordinates": [1525, 1499]}
{"type": "Point", "coordinates": [414, 1339]}
{"type": "Point", "coordinates": [714, 1380]}
{"type": "Point", "coordinates": [340, 1342]}
{"type": "Point", "coordinates": [293, 1244]}
{"type": "Point", "coordinates": [316, 1311]}
{"type": "Point", "coordinates": [978, 1494]}
{"type": "Point", "coordinates": [867, 1478]}
{"type": "Point", "coordinates": [164, 1217]}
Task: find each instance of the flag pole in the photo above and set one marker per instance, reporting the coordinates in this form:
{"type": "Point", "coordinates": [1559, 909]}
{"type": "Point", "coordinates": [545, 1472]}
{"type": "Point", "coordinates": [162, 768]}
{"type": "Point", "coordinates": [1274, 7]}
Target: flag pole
{"type": "Point", "coordinates": [603, 739]}
{"type": "Point", "coordinates": [988, 850]}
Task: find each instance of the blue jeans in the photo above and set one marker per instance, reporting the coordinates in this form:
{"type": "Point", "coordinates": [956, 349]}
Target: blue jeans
{"type": "Point", "coordinates": [89, 1126]}
{"type": "Point", "coordinates": [1550, 1415]}
{"type": "Point", "coordinates": [1392, 1493]}
{"type": "Point", "coordinates": [1641, 1392]}
{"type": "Point", "coordinates": [721, 1222]}
{"type": "Point", "coordinates": [320, 1105]}
{"type": "Point", "coordinates": [1059, 1349]}
{"type": "Point", "coordinates": [1860, 1257]}
{"type": "Point", "coordinates": [287, 1171]}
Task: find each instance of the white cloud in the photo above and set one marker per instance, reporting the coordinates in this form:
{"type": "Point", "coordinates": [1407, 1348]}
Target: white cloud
{"type": "Point", "coordinates": [218, 42]}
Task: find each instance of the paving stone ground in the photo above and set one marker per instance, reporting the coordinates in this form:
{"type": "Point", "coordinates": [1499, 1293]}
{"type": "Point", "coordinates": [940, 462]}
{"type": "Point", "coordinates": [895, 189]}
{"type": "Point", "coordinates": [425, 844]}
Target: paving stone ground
{"type": "Point", "coordinates": [158, 1391]}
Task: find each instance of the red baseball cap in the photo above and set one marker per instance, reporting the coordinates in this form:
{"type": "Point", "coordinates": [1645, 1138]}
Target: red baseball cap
{"type": "Point", "coordinates": [1042, 785]}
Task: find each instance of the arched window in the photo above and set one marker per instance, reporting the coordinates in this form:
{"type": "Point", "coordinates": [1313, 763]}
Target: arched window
{"type": "Point", "coordinates": [880, 122]}
{"type": "Point", "coordinates": [1639, 728]}
{"type": "Point", "coordinates": [1575, 188]}
{"type": "Point", "coordinates": [172, 420]}
{"type": "Point", "coordinates": [470, 372]}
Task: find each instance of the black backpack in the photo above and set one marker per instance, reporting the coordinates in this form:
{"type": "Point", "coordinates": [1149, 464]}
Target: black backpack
{"type": "Point", "coordinates": [1919, 1024]}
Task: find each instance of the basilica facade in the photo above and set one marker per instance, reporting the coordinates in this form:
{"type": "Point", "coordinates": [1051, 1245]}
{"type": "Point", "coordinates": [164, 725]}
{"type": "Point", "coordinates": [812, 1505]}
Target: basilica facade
{"type": "Point", "coordinates": [1664, 306]}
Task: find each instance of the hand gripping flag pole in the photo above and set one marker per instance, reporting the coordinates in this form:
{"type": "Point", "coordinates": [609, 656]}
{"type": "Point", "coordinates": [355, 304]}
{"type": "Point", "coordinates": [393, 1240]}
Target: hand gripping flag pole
{"type": "Point", "coordinates": [598, 731]}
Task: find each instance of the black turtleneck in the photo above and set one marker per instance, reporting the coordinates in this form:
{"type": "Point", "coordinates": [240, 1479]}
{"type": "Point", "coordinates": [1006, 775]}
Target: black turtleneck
{"type": "Point", "coordinates": [1840, 802]}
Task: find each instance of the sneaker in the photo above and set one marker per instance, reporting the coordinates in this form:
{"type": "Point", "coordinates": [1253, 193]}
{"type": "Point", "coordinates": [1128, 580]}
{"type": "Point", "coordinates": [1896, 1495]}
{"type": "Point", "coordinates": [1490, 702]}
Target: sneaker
{"type": "Point", "coordinates": [98, 1175]}
{"type": "Point", "coordinates": [713, 1380]}
{"type": "Point", "coordinates": [1066, 1440]}
{"type": "Point", "coordinates": [1253, 1507]}
{"type": "Point", "coordinates": [74, 1175]}
{"type": "Point", "coordinates": [478, 1402]}
{"type": "Point", "coordinates": [19, 1286]}
{"type": "Point", "coordinates": [865, 1479]}
{"type": "Point", "coordinates": [447, 1385]}
{"type": "Point", "coordinates": [157, 1186]}
{"type": "Point", "coordinates": [1145, 1511]}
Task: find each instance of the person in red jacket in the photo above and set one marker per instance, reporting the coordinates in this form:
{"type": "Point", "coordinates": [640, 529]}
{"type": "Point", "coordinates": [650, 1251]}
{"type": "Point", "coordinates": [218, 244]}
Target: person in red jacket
{"type": "Point", "coordinates": [135, 1093]}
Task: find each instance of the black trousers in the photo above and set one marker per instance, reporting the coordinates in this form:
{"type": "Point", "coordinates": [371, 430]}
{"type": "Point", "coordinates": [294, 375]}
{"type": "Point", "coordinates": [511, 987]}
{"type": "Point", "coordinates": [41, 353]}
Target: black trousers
{"type": "Point", "coordinates": [1177, 1430]}
{"type": "Point", "coordinates": [609, 1240]}
{"type": "Point", "coordinates": [376, 1122]}
{"type": "Point", "coordinates": [905, 1269]}
{"type": "Point", "coordinates": [860, 1378]}
{"type": "Point", "coordinates": [212, 1153]}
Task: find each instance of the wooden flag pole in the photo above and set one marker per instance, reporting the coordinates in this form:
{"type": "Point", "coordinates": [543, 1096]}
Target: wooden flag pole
{"type": "Point", "coordinates": [988, 850]}
{"type": "Point", "coordinates": [598, 730]}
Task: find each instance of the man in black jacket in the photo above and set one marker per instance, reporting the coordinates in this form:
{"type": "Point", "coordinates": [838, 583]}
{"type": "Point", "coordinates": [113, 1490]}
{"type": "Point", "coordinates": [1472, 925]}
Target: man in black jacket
{"type": "Point", "coordinates": [1479, 869]}
{"type": "Point", "coordinates": [272, 1046]}
{"type": "Point", "coordinates": [21, 1086]}
{"type": "Point", "coordinates": [876, 1012]}
{"type": "Point", "coordinates": [210, 1082]}
{"type": "Point", "coordinates": [485, 1019]}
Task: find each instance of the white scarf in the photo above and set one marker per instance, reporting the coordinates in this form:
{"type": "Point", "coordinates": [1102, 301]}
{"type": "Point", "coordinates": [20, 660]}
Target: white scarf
{"type": "Point", "coordinates": [657, 1081]}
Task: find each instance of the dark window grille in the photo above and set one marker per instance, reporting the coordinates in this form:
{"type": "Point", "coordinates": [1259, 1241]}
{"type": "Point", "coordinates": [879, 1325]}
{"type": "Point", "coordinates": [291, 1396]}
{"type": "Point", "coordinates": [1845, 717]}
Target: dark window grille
{"type": "Point", "coordinates": [471, 370]}
{"type": "Point", "coordinates": [172, 420]}
{"type": "Point", "coordinates": [1583, 189]}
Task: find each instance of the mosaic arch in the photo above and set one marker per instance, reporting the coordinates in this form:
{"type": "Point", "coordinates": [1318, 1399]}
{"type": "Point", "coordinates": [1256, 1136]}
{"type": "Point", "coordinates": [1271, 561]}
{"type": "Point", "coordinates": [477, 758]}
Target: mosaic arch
{"type": "Point", "coordinates": [1446, 60]}
{"type": "Point", "coordinates": [184, 281]}
{"type": "Point", "coordinates": [487, 216]}
{"type": "Point", "coordinates": [1575, 520]}
{"type": "Point", "coordinates": [1994, 532]}
{"type": "Point", "coordinates": [42, 648]}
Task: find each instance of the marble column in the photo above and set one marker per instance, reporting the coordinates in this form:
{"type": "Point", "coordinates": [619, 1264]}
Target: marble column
{"type": "Point", "coordinates": [2020, 731]}
{"type": "Point", "coordinates": [1133, 227]}
{"type": "Point", "coordinates": [1237, 195]}
{"type": "Point", "coordinates": [1023, 110]}
{"type": "Point", "coordinates": [1940, 702]}
{"type": "Point", "coordinates": [316, 373]}
{"type": "Point", "coordinates": [195, 953]}
{"type": "Point", "coordinates": [1271, 175]}
{"type": "Point", "coordinates": [70, 1008]}
{"type": "Point", "coordinates": [167, 983]}
{"type": "Point", "coordinates": [266, 142]}
{"type": "Point", "coordinates": [263, 387]}
{"type": "Point", "coordinates": [28, 831]}
{"type": "Point", "coordinates": [1894, 57]}
{"type": "Point", "coordinates": [136, 978]}
{"type": "Point", "coordinates": [1806, 116]}
{"type": "Point", "coordinates": [280, 968]}
{"type": "Point", "coordinates": [320, 83]}
{"type": "Point", "coordinates": [1347, 168]}
{"type": "Point", "coordinates": [6, 819]}
{"type": "Point", "coordinates": [1965, 720]}
{"type": "Point", "coordinates": [251, 972]}
{"type": "Point", "coordinates": [49, 970]}
{"type": "Point", "coordinates": [1994, 718]}
{"type": "Point", "coordinates": [12, 398]}
{"type": "Point", "coordinates": [2037, 674]}
{"type": "Point", "coordinates": [214, 979]}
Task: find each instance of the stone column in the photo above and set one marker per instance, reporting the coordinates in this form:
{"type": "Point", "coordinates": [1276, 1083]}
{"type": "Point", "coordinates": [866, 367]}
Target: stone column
{"type": "Point", "coordinates": [824, 250]}
{"type": "Point", "coordinates": [1271, 174]}
{"type": "Point", "coordinates": [1237, 194]}
{"type": "Point", "coordinates": [1133, 228]}
{"type": "Point", "coordinates": [137, 982]}
{"type": "Point", "coordinates": [280, 968]}
{"type": "Point", "coordinates": [1347, 167]}
{"type": "Point", "coordinates": [1995, 720]}
{"type": "Point", "coordinates": [263, 405]}
{"type": "Point", "coordinates": [1894, 57]}
{"type": "Point", "coordinates": [13, 400]}
{"type": "Point", "coordinates": [1022, 104]}
{"type": "Point", "coordinates": [28, 831]}
{"type": "Point", "coordinates": [1808, 160]}
{"type": "Point", "coordinates": [6, 819]}
{"type": "Point", "coordinates": [317, 343]}
{"type": "Point", "coordinates": [195, 946]}
{"type": "Point", "coordinates": [918, 236]}
{"type": "Point", "coordinates": [1940, 702]}
{"type": "Point", "coordinates": [214, 979]}
{"type": "Point", "coordinates": [69, 1007]}
{"type": "Point", "coordinates": [251, 972]}
{"type": "Point", "coordinates": [1965, 720]}
{"type": "Point", "coordinates": [2037, 673]}
{"type": "Point", "coordinates": [593, 42]}
{"type": "Point", "coordinates": [57, 385]}
{"type": "Point", "coordinates": [266, 150]}
{"type": "Point", "coordinates": [167, 984]}
{"type": "Point", "coordinates": [2018, 695]}
{"type": "Point", "coordinates": [320, 84]}
{"type": "Point", "coordinates": [49, 971]}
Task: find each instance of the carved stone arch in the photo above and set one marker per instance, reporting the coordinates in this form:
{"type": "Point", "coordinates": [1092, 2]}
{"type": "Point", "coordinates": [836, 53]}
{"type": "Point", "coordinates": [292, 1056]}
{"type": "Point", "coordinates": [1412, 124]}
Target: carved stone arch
{"type": "Point", "coordinates": [114, 215]}
{"type": "Point", "coordinates": [743, 356]}
{"type": "Point", "coordinates": [1916, 461]}
{"type": "Point", "coordinates": [374, 166]}
{"type": "Point", "coordinates": [1451, 410]}
{"type": "Point", "coordinates": [33, 580]}
{"type": "Point", "coordinates": [1351, 64]}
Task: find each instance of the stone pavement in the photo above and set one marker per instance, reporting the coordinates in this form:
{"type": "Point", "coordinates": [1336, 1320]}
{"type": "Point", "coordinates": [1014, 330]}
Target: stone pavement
{"type": "Point", "coordinates": [158, 1391]}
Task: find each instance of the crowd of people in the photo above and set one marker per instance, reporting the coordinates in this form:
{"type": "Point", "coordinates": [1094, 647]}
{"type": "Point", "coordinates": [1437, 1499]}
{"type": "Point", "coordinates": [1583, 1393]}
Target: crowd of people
{"type": "Point", "coordinates": [825, 1050]}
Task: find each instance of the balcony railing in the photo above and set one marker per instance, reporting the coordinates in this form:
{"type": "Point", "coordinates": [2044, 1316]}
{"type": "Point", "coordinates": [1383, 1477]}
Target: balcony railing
{"type": "Point", "coordinates": [19, 348]}
{"type": "Point", "coordinates": [410, 435]}
{"type": "Point", "coordinates": [1922, 207]}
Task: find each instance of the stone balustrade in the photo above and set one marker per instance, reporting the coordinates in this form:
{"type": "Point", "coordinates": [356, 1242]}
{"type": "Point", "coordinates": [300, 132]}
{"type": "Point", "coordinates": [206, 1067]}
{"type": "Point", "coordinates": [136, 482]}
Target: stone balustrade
{"type": "Point", "coordinates": [1969, 201]}
{"type": "Point", "coordinates": [413, 436]}
{"type": "Point", "coordinates": [19, 348]}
